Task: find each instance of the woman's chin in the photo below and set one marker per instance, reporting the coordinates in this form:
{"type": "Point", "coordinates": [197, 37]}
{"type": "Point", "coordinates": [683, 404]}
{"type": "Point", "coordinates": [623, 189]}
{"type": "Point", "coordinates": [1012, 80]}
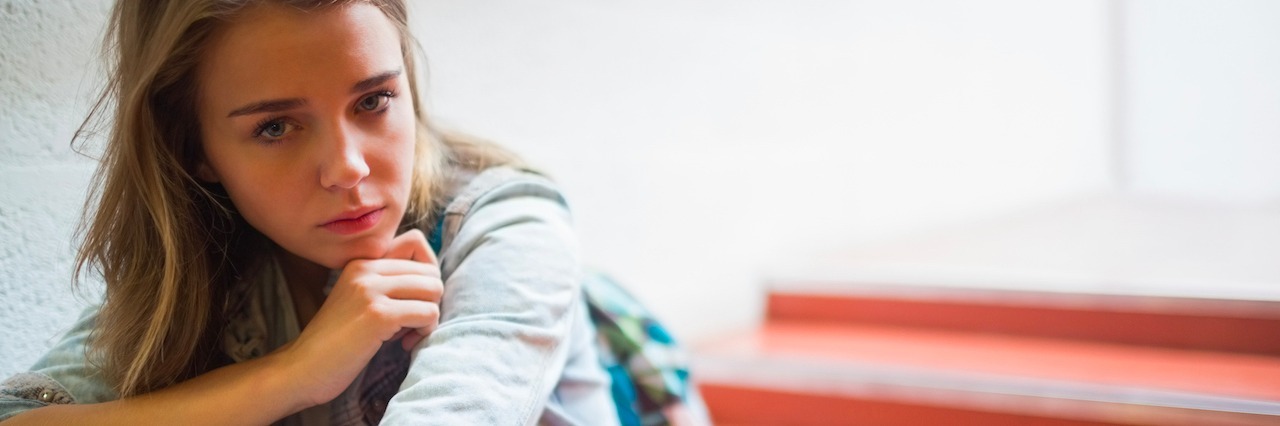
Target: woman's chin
{"type": "Point", "coordinates": [365, 250]}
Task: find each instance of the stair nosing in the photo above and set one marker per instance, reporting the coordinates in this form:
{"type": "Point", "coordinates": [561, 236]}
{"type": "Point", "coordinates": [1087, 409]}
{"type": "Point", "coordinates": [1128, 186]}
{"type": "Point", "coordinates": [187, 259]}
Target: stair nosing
{"type": "Point", "coordinates": [1138, 303]}
{"type": "Point", "coordinates": [860, 378]}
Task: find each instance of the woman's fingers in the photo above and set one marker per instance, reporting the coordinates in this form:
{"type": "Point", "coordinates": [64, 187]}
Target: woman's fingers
{"type": "Point", "coordinates": [408, 275]}
{"type": "Point", "coordinates": [412, 314]}
{"type": "Point", "coordinates": [390, 267]}
{"type": "Point", "coordinates": [394, 278]}
{"type": "Point", "coordinates": [413, 246]}
{"type": "Point", "coordinates": [411, 287]}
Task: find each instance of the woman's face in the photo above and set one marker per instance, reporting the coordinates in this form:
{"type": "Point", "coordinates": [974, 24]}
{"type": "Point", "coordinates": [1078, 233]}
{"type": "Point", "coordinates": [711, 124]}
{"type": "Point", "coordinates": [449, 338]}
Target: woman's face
{"type": "Point", "coordinates": [308, 122]}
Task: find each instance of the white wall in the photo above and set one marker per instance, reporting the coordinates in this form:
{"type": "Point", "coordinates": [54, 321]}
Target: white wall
{"type": "Point", "coordinates": [1204, 98]}
{"type": "Point", "coordinates": [702, 141]}
{"type": "Point", "coordinates": [699, 141]}
{"type": "Point", "coordinates": [45, 49]}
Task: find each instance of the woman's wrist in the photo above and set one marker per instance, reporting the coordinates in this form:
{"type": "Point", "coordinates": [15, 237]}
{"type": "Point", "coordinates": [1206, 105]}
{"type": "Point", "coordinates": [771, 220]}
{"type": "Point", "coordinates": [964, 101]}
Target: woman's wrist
{"type": "Point", "coordinates": [285, 376]}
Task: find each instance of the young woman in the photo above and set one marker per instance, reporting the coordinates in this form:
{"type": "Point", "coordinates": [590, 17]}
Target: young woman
{"type": "Point", "coordinates": [261, 223]}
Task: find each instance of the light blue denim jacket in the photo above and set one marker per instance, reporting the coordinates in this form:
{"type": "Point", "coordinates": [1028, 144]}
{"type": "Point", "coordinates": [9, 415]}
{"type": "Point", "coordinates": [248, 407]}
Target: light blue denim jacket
{"type": "Point", "coordinates": [514, 345]}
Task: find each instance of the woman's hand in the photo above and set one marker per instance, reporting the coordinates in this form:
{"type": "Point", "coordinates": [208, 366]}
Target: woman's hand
{"type": "Point", "coordinates": [373, 301]}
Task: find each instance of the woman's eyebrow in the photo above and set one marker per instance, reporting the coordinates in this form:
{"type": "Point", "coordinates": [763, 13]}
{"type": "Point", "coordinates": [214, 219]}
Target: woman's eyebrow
{"type": "Point", "coordinates": [274, 105]}
{"type": "Point", "coordinates": [277, 105]}
{"type": "Point", "coordinates": [371, 82]}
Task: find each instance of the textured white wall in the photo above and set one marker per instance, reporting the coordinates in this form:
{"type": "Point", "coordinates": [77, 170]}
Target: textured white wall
{"type": "Point", "coordinates": [699, 141]}
{"type": "Point", "coordinates": [47, 76]}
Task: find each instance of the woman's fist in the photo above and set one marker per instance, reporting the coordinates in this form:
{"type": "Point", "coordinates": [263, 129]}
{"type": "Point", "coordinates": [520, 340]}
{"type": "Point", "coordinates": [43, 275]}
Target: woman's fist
{"type": "Point", "coordinates": [373, 301]}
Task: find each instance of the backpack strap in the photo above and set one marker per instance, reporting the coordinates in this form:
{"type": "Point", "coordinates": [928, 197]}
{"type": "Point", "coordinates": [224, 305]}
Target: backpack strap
{"type": "Point", "coordinates": [436, 237]}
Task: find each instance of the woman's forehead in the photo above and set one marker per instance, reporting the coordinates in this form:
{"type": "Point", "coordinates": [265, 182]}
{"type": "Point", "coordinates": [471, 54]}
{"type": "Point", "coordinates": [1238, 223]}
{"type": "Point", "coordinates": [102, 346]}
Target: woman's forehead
{"type": "Point", "coordinates": [271, 47]}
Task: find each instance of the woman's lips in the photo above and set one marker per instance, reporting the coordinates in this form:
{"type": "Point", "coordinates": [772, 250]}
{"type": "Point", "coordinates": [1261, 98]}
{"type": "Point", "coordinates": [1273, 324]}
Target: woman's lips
{"type": "Point", "coordinates": [358, 224]}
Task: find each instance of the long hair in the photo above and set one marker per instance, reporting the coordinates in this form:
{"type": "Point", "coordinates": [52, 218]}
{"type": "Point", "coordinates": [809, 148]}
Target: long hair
{"type": "Point", "coordinates": [170, 247]}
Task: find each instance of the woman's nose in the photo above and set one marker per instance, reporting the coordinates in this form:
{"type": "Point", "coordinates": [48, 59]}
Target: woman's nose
{"type": "Point", "coordinates": [343, 165]}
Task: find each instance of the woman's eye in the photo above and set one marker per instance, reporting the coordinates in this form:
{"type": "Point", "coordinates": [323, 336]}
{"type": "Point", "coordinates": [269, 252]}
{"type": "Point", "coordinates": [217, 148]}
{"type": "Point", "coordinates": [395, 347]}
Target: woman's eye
{"type": "Point", "coordinates": [274, 129]}
{"type": "Point", "coordinates": [374, 102]}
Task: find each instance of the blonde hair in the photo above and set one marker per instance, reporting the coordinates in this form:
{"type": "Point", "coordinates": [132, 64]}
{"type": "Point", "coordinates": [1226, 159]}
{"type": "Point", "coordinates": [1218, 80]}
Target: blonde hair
{"type": "Point", "coordinates": [169, 247]}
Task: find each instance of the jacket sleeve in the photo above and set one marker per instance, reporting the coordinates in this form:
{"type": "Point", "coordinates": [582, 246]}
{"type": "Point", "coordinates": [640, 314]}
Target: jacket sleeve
{"type": "Point", "coordinates": [62, 376]}
{"type": "Point", "coordinates": [511, 281]}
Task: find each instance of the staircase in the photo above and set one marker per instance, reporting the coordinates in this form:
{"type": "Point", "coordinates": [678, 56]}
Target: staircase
{"type": "Point", "coordinates": [863, 349]}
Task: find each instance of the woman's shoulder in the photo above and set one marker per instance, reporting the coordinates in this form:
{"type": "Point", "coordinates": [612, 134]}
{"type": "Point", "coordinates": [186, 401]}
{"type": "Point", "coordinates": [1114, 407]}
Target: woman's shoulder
{"type": "Point", "coordinates": [524, 206]}
{"type": "Point", "coordinates": [488, 186]}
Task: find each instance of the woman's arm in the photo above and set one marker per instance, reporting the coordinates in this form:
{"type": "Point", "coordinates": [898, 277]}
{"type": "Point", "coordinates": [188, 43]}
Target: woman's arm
{"type": "Point", "coordinates": [254, 392]}
{"type": "Point", "coordinates": [512, 278]}
{"type": "Point", "coordinates": [374, 301]}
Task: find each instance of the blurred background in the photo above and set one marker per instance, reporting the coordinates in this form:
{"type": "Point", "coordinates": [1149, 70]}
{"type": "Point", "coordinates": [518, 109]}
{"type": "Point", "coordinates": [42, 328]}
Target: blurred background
{"type": "Point", "coordinates": [723, 156]}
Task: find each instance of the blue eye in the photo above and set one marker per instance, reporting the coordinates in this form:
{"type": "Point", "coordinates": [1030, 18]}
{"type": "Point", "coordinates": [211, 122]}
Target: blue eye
{"type": "Point", "coordinates": [274, 129]}
{"type": "Point", "coordinates": [375, 102]}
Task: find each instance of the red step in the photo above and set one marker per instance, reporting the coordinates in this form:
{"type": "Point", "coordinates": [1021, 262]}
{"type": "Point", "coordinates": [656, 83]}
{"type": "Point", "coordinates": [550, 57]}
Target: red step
{"type": "Point", "coordinates": [809, 372]}
{"type": "Point", "coordinates": [1200, 324]}
{"type": "Point", "coordinates": [981, 323]}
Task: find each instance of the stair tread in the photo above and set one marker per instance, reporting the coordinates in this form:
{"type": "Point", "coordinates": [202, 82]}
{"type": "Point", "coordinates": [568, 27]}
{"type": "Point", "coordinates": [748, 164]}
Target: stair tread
{"type": "Point", "coordinates": [1194, 324]}
{"type": "Point", "coordinates": [1119, 369]}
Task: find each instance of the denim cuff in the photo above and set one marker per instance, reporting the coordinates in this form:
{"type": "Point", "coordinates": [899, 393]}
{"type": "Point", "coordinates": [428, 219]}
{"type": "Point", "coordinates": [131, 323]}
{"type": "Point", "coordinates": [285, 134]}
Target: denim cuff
{"type": "Point", "coordinates": [35, 387]}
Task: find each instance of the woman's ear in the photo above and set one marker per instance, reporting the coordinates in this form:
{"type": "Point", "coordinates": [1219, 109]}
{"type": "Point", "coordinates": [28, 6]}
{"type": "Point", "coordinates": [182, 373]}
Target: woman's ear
{"type": "Point", "coordinates": [205, 173]}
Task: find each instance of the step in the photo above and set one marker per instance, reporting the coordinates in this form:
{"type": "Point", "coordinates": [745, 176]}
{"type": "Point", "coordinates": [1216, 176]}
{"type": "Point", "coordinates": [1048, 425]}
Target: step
{"type": "Point", "coordinates": [1117, 267]}
{"type": "Point", "coordinates": [1246, 326]}
{"type": "Point", "coordinates": [826, 373]}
